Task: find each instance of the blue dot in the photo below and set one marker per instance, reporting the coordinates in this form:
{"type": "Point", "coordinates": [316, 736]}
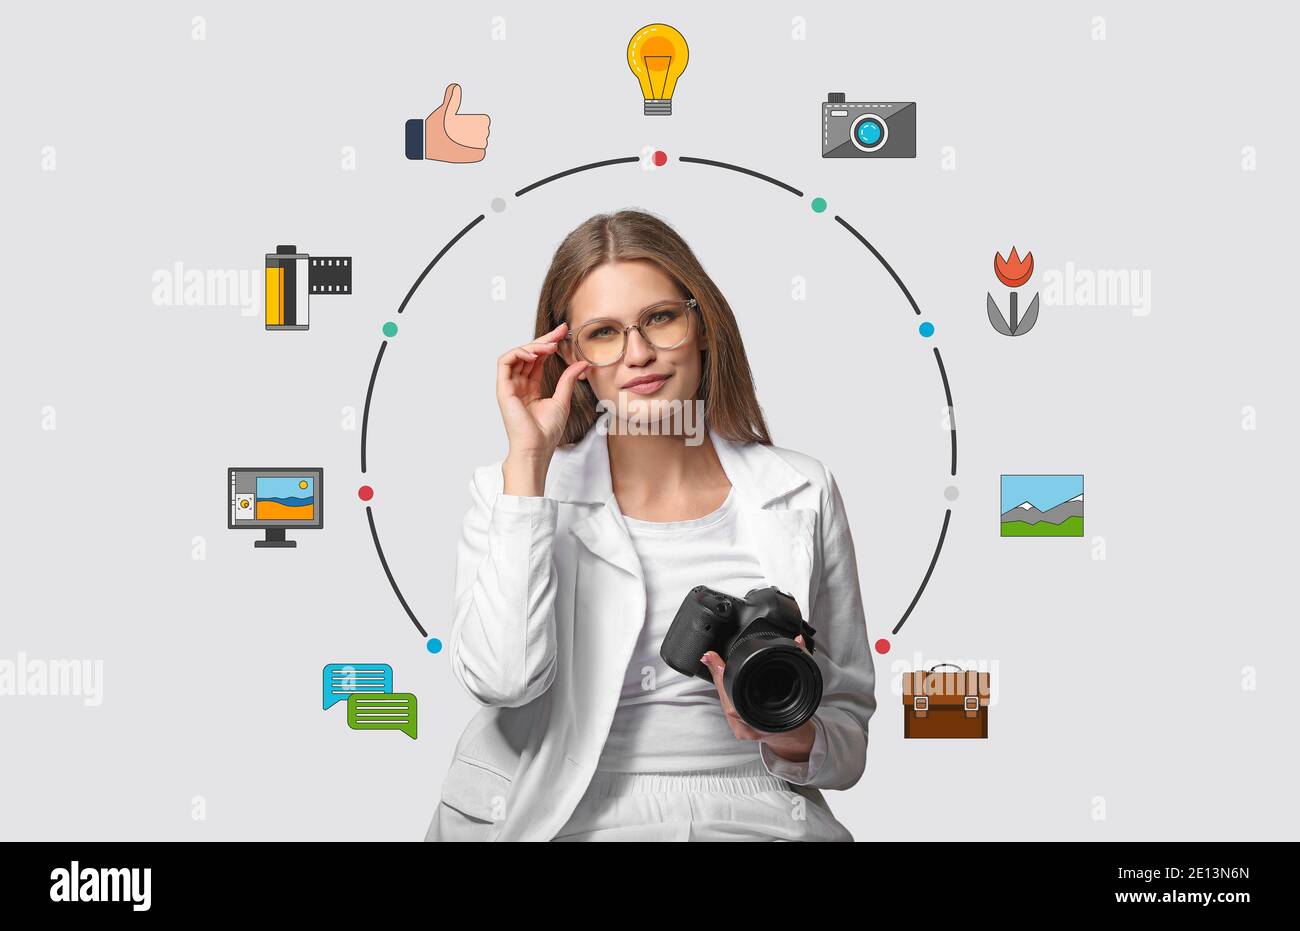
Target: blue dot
{"type": "Point", "coordinates": [434, 645]}
{"type": "Point", "coordinates": [927, 329]}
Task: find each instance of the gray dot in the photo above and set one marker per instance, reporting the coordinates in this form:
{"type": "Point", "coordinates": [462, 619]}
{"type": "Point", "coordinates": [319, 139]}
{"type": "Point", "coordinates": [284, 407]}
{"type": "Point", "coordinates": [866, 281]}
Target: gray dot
{"type": "Point", "coordinates": [951, 492]}
{"type": "Point", "coordinates": [498, 205]}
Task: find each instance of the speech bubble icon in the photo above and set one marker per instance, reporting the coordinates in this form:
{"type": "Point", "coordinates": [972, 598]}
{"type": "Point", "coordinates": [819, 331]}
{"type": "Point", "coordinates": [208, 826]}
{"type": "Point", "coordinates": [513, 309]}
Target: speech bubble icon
{"type": "Point", "coordinates": [339, 680]}
{"type": "Point", "coordinates": [395, 711]}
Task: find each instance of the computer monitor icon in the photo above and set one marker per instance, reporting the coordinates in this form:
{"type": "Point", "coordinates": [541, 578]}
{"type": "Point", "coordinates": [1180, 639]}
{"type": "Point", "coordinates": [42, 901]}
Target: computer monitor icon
{"type": "Point", "coordinates": [276, 500]}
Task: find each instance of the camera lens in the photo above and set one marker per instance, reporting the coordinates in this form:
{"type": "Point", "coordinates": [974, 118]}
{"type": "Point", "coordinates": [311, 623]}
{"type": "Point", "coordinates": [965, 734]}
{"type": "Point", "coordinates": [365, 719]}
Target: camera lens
{"type": "Point", "coordinates": [774, 685]}
{"type": "Point", "coordinates": [869, 132]}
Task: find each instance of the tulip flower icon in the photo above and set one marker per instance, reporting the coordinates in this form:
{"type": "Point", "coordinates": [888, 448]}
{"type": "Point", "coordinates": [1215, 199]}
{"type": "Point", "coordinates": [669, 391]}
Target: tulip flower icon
{"type": "Point", "coordinates": [1014, 272]}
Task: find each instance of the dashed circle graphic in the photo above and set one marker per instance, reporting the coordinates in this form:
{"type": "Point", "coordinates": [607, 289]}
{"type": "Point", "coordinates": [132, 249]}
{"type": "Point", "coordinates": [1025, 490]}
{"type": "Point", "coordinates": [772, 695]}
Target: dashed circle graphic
{"type": "Point", "coordinates": [659, 158]}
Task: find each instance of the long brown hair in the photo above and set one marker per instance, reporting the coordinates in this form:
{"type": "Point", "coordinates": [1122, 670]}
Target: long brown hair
{"type": "Point", "coordinates": [726, 386]}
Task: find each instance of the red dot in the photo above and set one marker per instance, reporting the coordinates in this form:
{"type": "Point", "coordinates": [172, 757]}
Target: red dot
{"type": "Point", "coordinates": [365, 492]}
{"type": "Point", "coordinates": [882, 645]}
{"type": "Point", "coordinates": [661, 158]}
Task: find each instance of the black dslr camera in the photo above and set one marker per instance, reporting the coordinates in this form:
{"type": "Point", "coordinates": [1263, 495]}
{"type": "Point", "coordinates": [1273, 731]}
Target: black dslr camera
{"type": "Point", "coordinates": [774, 685]}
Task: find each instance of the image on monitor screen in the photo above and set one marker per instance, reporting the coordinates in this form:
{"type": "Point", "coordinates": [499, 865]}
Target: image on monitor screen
{"type": "Point", "coordinates": [281, 497]}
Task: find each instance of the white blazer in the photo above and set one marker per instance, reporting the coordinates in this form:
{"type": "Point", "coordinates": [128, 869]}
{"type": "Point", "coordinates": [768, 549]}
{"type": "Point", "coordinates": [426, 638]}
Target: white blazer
{"type": "Point", "coordinates": [550, 600]}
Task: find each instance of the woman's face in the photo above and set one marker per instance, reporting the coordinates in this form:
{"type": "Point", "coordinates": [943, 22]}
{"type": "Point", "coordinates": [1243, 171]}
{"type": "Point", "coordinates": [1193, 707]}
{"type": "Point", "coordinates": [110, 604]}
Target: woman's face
{"type": "Point", "coordinates": [640, 383]}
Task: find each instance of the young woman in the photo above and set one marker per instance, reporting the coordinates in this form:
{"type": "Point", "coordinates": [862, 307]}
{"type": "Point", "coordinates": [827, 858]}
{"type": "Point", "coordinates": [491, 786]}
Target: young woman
{"type": "Point", "coordinates": [581, 544]}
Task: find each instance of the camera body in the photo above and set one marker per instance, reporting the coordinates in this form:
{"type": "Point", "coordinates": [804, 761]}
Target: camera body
{"type": "Point", "coordinates": [774, 684]}
{"type": "Point", "coordinates": [867, 130]}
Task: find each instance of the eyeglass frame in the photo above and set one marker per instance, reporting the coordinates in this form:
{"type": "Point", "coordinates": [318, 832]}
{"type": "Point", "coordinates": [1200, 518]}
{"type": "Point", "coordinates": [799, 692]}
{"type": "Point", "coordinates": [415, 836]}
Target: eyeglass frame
{"type": "Point", "coordinates": [690, 302]}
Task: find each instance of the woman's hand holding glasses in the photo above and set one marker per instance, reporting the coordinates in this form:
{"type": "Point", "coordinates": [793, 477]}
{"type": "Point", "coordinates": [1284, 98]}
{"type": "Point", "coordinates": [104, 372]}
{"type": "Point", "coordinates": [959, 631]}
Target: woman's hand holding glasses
{"type": "Point", "coordinates": [534, 424]}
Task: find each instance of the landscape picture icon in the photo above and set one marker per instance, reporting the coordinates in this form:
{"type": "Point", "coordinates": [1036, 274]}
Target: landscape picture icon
{"type": "Point", "coordinates": [285, 497]}
{"type": "Point", "coordinates": [1042, 506]}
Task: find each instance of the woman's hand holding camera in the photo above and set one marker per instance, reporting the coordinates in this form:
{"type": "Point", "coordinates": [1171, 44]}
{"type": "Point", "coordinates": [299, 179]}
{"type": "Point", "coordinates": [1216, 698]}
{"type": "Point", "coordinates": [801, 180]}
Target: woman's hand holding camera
{"type": "Point", "coordinates": [534, 424]}
{"type": "Point", "coordinates": [795, 745]}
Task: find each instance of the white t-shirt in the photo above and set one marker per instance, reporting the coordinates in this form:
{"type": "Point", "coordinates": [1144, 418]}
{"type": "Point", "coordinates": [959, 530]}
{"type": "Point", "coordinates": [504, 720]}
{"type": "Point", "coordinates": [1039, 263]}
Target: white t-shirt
{"type": "Point", "coordinates": [666, 721]}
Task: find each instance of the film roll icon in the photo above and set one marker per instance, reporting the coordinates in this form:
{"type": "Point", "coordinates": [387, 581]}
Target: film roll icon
{"type": "Point", "coordinates": [293, 276]}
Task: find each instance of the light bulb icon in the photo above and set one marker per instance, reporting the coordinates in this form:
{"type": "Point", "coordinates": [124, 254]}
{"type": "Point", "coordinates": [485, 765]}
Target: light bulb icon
{"type": "Point", "coordinates": [657, 56]}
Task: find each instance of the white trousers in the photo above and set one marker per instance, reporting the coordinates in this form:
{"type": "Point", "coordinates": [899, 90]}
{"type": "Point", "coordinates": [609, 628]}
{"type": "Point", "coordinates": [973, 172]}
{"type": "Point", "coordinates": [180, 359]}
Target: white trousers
{"type": "Point", "coordinates": [740, 803]}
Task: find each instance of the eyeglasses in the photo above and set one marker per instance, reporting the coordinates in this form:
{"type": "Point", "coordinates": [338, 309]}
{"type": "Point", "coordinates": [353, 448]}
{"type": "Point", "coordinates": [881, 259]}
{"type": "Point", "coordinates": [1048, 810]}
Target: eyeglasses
{"type": "Point", "coordinates": [664, 326]}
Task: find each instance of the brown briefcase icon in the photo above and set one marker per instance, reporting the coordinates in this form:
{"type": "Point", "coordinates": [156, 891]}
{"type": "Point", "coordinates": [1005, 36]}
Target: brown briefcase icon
{"type": "Point", "coordinates": [946, 704]}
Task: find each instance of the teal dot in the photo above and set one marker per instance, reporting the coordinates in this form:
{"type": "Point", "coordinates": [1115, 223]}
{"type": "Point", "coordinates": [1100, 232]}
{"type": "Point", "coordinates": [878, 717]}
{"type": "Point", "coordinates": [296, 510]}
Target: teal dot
{"type": "Point", "coordinates": [819, 204]}
{"type": "Point", "coordinates": [390, 329]}
{"type": "Point", "coordinates": [434, 645]}
{"type": "Point", "coordinates": [927, 329]}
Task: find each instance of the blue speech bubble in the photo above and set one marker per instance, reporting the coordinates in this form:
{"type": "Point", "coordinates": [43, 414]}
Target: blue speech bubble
{"type": "Point", "coordinates": [339, 680]}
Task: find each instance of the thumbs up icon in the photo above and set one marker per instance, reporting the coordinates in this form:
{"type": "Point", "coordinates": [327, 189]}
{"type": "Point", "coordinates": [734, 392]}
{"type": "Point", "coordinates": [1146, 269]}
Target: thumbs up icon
{"type": "Point", "coordinates": [446, 135]}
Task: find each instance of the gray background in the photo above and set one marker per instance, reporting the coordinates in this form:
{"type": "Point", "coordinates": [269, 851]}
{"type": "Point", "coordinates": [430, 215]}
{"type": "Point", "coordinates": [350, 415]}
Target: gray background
{"type": "Point", "coordinates": [1119, 680]}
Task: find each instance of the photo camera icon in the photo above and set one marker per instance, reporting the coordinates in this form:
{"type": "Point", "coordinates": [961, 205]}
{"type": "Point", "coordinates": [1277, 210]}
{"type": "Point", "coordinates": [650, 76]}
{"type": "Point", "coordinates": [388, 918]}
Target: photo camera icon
{"type": "Point", "coordinates": [867, 130]}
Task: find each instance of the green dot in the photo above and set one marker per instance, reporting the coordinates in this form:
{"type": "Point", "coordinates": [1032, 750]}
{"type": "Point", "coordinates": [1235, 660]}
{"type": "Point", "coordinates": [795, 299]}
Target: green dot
{"type": "Point", "coordinates": [390, 329]}
{"type": "Point", "coordinates": [819, 204]}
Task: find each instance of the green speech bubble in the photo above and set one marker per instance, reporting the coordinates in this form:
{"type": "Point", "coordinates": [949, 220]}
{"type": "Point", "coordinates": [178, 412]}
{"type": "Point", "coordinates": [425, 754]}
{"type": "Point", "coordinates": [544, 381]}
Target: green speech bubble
{"type": "Point", "coordinates": [383, 711]}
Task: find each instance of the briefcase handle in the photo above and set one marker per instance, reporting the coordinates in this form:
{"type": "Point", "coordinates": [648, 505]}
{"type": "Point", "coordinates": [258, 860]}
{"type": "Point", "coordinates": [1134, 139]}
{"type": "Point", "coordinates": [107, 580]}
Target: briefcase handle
{"type": "Point", "coordinates": [953, 665]}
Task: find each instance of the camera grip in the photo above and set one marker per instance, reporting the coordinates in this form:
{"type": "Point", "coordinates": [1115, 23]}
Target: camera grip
{"type": "Point", "coordinates": [702, 623]}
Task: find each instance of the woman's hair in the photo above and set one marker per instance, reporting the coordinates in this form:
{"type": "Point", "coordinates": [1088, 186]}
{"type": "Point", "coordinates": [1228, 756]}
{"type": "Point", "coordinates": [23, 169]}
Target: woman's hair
{"type": "Point", "coordinates": [726, 385]}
